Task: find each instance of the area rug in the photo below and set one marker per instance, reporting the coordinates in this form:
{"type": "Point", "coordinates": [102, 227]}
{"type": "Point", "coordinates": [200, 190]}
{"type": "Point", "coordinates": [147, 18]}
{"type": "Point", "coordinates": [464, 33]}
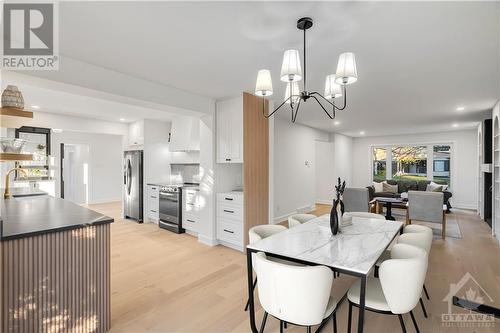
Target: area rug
{"type": "Point", "coordinates": [452, 227]}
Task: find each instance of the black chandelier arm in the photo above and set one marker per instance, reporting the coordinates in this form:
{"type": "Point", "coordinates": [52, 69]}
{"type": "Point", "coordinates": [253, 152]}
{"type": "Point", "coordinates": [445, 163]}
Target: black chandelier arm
{"type": "Point", "coordinates": [327, 113]}
{"type": "Point", "coordinates": [294, 117]}
{"type": "Point", "coordinates": [333, 104]}
{"type": "Point", "coordinates": [269, 115]}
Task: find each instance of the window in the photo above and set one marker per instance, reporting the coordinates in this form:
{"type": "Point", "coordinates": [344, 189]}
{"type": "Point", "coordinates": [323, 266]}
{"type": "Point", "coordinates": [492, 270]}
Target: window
{"type": "Point", "coordinates": [441, 167]}
{"type": "Point", "coordinates": [412, 162]}
{"type": "Point", "coordinates": [409, 162]}
{"type": "Point", "coordinates": [379, 164]}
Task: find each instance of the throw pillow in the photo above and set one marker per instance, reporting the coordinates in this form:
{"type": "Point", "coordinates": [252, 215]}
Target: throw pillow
{"type": "Point", "coordinates": [444, 187]}
{"type": "Point", "coordinates": [378, 186]}
{"type": "Point", "coordinates": [434, 188]}
{"type": "Point", "coordinates": [390, 188]}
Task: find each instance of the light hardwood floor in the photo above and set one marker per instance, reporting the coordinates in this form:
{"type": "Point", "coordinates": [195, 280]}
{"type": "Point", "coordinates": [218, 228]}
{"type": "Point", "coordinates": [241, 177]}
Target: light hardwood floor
{"type": "Point", "coordinates": [164, 282]}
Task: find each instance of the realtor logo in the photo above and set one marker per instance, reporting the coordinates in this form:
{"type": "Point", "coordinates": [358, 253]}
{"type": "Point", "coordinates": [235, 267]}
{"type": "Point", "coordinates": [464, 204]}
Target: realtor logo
{"type": "Point", "coordinates": [469, 290]}
{"type": "Point", "coordinates": [30, 39]}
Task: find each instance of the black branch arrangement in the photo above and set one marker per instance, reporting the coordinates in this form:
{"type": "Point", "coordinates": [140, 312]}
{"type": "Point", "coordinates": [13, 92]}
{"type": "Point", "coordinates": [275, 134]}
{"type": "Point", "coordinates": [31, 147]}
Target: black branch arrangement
{"type": "Point", "coordinates": [339, 188]}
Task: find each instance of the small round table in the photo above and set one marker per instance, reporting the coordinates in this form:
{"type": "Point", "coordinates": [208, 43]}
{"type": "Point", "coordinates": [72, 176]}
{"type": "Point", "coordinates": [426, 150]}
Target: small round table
{"type": "Point", "coordinates": [388, 204]}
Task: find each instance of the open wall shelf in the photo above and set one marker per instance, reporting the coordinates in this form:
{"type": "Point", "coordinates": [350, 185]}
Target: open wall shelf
{"type": "Point", "coordinates": [15, 157]}
{"type": "Point", "coordinates": [15, 112]}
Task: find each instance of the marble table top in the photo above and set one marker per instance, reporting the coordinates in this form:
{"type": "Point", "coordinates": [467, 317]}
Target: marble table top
{"type": "Point", "coordinates": [356, 248]}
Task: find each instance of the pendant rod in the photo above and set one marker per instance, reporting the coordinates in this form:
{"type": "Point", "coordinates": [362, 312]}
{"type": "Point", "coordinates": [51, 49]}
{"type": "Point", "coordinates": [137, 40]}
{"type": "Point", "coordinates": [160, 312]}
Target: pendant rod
{"type": "Point", "coordinates": [305, 69]}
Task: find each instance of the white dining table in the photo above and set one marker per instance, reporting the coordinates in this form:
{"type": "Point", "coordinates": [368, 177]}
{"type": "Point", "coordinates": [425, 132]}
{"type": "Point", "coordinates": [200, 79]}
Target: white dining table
{"type": "Point", "coordinates": [353, 251]}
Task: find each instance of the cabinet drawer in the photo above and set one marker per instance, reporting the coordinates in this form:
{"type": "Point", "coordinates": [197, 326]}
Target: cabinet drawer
{"type": "Point", "coordinates": [230, 198]}
{"type": "Point", "coordinates": [153, 191]}
{"type": "Point", "coordinates": [228, 211]}
{"type": "Point", "coordinates": [153, 203]}
{"type": "Point", "coordinates": [229, 231]}
{"type": "Point", "coordinates": [153, 214]}
{"type": "Point", "coordinates": [191, 208]}
{"type": "Point", "coordinates": [190, 222]}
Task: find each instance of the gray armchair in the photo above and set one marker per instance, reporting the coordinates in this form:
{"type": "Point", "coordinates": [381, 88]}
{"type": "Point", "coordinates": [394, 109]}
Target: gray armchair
{"type": "Point", "coordinates": [356, 199]}
{"type": "Point", "coordinates": [427, 207]}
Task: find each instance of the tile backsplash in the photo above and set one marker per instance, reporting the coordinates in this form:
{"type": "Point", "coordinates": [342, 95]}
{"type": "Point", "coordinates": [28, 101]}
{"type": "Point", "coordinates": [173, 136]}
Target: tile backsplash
{"type": "Point", "coordinates": [185, 173]}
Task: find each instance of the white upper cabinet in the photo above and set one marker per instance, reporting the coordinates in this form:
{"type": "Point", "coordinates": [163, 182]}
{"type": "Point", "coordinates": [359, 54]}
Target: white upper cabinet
{"type": "Point", "coordinates": [185, 134]}
{"type": "Point", "coordinates": [230, 130]}
{"type": "Point", "coordinates": [136, 133]}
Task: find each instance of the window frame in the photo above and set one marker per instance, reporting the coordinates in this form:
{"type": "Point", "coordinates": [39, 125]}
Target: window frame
{"type": "Point", "coordinates": [430, 158]}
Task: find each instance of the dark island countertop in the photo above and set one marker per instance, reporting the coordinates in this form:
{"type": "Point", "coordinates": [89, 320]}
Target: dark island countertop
{"type": "Point", "coordinates": [35, 215]}
{"type": "Point", "coordinates": [23, 192]}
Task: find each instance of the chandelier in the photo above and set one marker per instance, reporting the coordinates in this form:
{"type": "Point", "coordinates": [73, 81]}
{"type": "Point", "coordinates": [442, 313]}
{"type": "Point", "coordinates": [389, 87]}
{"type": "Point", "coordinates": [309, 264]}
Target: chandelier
{"type": "Point", "coordinates": [291, 73]}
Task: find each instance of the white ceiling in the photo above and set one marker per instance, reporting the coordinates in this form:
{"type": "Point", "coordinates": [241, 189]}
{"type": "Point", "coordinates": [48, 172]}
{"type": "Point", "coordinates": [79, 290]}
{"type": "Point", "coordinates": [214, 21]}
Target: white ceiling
{"type": "Point", "coordinates": [45, 96]}
{"type": "Point", "coordinates": [416, 61]}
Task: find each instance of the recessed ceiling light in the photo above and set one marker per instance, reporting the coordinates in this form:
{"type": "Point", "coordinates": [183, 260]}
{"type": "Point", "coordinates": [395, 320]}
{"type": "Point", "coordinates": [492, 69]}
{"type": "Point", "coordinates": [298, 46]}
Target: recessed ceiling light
{"type": "Point", "coordinates": [455, 125]}
{"type": "Point", "coordinates": [362, 133]}
{"type": "Point", "coordinates": [122, 119]}
{"type": "Point", "coordinates": [460, 108]}
{"type": "Point", "coordinates": [36, 107]}
{"type": "Point", "coordinates": [336, 123]}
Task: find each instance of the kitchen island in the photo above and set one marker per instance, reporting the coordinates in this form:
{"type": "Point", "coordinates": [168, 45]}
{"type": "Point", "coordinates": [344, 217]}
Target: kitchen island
{"type": "Point", "coordinates": [54, 266]}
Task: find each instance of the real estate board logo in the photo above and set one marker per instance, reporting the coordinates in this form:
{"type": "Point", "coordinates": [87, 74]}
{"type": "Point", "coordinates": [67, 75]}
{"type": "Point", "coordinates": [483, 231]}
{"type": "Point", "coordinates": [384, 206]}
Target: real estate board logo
{"type": "Point", "coordinates": [30, 36]}
{"type": "Point", "coordinates": [469, 292]}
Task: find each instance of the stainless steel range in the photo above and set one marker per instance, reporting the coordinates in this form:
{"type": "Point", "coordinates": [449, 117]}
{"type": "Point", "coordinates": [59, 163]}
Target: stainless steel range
{"type": "Point", "coordinates": [171, 208]}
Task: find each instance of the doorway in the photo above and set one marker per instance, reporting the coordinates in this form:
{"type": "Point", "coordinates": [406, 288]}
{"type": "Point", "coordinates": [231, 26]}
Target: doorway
{"type": "Point", "coordinates": [75, 172]}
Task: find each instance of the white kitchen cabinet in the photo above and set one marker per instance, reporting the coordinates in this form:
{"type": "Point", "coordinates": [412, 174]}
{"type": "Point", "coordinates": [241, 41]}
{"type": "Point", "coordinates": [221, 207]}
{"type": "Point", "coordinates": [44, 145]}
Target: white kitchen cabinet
{"type": "Point", "coordinates": [191, 209]}
{"type": "Point", "coordinates": [185, 134]}
{"type": "Point", "coordinates": [230, 220]}
{"type": "Point", "coordinates": [136, 133]}
{"type": "Point", "coordinates": [230, 130]}
{"type": "Point", "coordinates": [153, 203]}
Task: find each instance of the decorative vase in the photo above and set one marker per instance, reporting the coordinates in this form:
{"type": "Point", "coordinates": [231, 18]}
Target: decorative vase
{"type": "Point", "coordinates": [336, 215]}
{"type": "Point", "coordinates": [12, 98]}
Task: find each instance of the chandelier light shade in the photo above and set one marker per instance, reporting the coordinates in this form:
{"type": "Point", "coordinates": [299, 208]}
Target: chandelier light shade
{"type": "Point", "coordinates": [292, 93]}
{"type": "Point", "coordinates": [290, 68]}
{"type": "Point", "coordinates": [346, 69]}
{"type": "Point", "coordinates": [291, 73]}
{"type": "Point", "coordinates": [264, 85]}
{"type": "Point", "coordinates": [332, 89]}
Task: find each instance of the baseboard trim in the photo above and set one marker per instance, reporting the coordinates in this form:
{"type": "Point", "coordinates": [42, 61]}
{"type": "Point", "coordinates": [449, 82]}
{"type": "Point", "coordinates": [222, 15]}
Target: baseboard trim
{"type": "Point", "coordinates": [301, 210]}
{"type": "Point", "coordinates": [207, 240]}
{"type": "Point", "coordinates": [464, 206]}
{"type": "Point", "coordinates": [231, 246]}
{"type": "Point", "coordinates": [324, 202]}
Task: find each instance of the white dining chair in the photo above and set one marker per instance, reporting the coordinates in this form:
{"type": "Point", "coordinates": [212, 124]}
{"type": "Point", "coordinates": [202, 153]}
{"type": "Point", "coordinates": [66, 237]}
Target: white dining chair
{"type": "Point", "coordinates": [423, 240]}
{"type": "Point", "coordinates": [365, 215]}
{"type": "Point", "coordinates": [398, 289]}
{"type": "Point", "coordinates": [295, 295]}
{"type": "Point", "coordinates": [258, 233]}
{"type": "Point", "coordinates": [298, 219]}
{"type": "Point", "coordinates": [417, 235]}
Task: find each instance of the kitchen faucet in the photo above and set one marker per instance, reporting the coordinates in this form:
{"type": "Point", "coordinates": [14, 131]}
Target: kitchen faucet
{"type": "Point", "coordinates": [7, 194]}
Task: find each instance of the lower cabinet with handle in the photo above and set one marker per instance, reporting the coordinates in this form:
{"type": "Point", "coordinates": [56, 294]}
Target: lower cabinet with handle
{"type": "Point", "coordinates": [190, 210]}
{"type": "Point", "coordinates": [153, 206]}
{"type": "Point", "coordinates": [230, 220]}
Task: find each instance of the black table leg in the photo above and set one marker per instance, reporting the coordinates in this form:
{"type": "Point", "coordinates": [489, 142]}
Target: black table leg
{"type": "Point", "coordinates": [362, 295]}
{"type": "Point", "coordinates": [388, 212]}
{"type": "Point", "coordinates": [251, 307]}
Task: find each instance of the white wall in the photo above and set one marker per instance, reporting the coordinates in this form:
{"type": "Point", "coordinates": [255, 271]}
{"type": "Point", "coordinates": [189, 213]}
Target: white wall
{"type": "Point", "coordinates": [105, 169]}
{"type": "Point", "coordinates": [325, 178]}
{"type": "Point", "coordinates": [464, 161]}
{"type": "Point", "coordinates": [342, 158]}
{"type": "Point", "coordinates": [333, 160]}
{"type": "Point", "coordinates": [294, 181]}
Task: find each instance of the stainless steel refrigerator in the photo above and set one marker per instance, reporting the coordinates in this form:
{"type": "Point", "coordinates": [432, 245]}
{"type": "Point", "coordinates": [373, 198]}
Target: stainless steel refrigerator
{"type": "Point", "coordinates": [133, 183]}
